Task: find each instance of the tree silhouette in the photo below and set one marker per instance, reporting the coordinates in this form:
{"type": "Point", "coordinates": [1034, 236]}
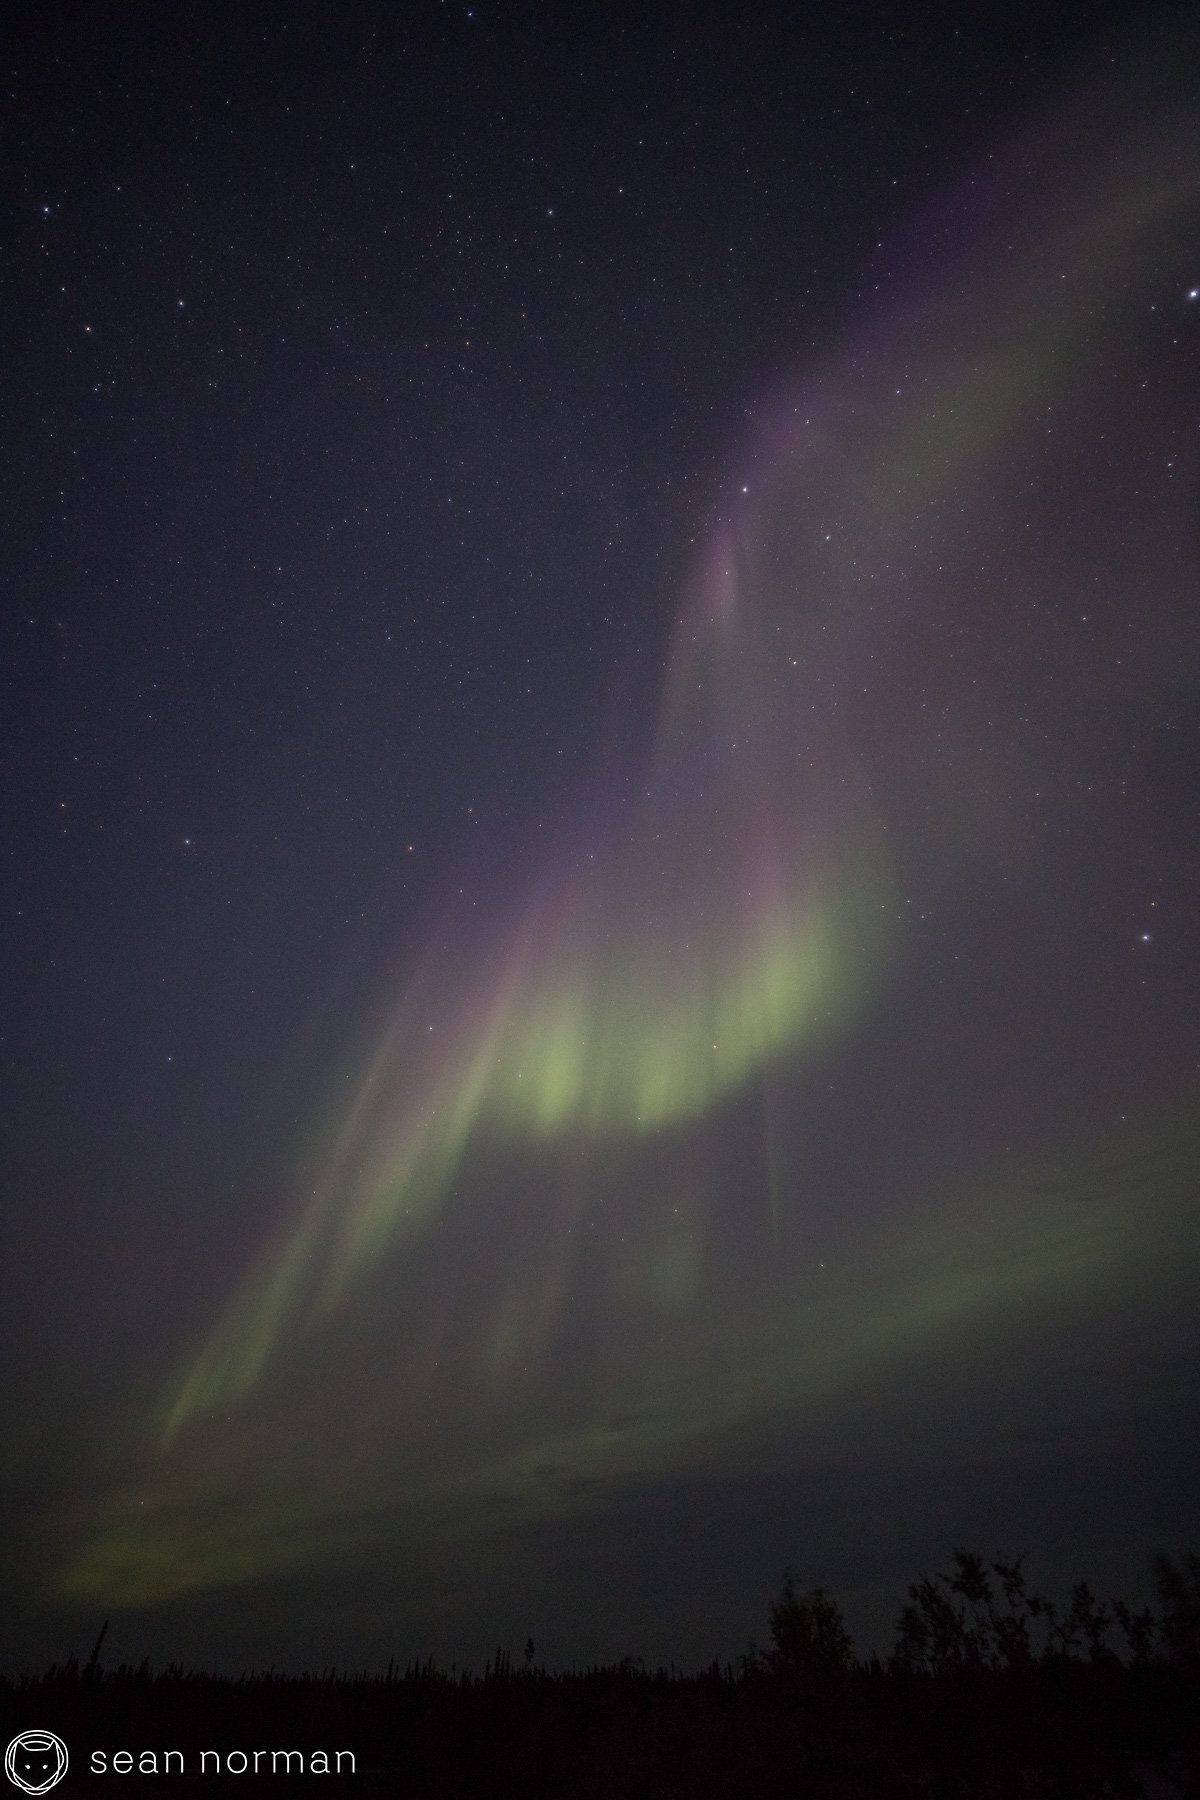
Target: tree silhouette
{"type": "Point", "coordinates": [808, 1633]}
{"type": "Point", "coordinates": [1178, 1587]}
{"type": "Point", "coordinates": [957, 1620]}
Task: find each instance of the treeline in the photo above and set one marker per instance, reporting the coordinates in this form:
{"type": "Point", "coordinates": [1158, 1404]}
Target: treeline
{"type": "Point", "coordinates": [986, 1616]}
{"type": "Point", "coordinates": [991, 1689]}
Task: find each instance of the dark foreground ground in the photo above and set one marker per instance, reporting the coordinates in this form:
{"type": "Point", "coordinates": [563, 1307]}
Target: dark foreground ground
{"type": "Point", "coordinates": [1071, 1728]}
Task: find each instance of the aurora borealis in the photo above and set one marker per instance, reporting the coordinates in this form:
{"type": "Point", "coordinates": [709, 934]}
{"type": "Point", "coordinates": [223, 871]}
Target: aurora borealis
{"type": "Point", "coordinates": [756, 1102]}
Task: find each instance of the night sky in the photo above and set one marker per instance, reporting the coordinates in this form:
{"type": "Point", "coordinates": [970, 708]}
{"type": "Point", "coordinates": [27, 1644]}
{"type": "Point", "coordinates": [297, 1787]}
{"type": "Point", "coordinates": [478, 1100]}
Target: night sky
{"type": "Point", "coordinates": [601, 697]}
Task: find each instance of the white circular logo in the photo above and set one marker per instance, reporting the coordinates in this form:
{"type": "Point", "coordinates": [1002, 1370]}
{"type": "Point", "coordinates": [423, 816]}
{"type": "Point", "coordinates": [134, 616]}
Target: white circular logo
{"type": "Point", "coordinates": [35, 1760]}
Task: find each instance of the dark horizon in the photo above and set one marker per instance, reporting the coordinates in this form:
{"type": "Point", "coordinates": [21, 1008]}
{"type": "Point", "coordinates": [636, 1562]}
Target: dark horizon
{"type": "Point", "coordinates": [992, 1686]}
{"type": "Point", "coordinates": [1151, 1605]}
{"type": "Point", "coordinates": [603, 773]}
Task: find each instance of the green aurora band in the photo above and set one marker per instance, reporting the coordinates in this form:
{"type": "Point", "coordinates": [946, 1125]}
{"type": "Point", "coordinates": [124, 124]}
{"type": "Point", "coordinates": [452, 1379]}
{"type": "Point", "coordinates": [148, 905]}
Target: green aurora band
{"type": "Point", "coordinates": [719, 926]}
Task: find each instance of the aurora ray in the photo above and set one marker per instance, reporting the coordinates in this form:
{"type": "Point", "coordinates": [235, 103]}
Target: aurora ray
{"type": "Point", "coordinates": [722, 919]}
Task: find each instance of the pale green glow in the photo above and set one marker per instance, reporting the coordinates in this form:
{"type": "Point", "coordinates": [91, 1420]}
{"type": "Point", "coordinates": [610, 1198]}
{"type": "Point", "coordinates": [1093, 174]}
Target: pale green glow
{"type": "Point", "coordinates": [983, 1269]}
{"type": "Point", "coordinates": [603, 1020]}
{"type": "Point", "coordinates": [735, 912]}
{"type": "Point", "coordinates": [732, 913]}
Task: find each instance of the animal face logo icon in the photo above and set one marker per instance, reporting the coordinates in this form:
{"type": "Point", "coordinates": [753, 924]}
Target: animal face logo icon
{"type": "Point", "coordinates": [35, 1760]}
